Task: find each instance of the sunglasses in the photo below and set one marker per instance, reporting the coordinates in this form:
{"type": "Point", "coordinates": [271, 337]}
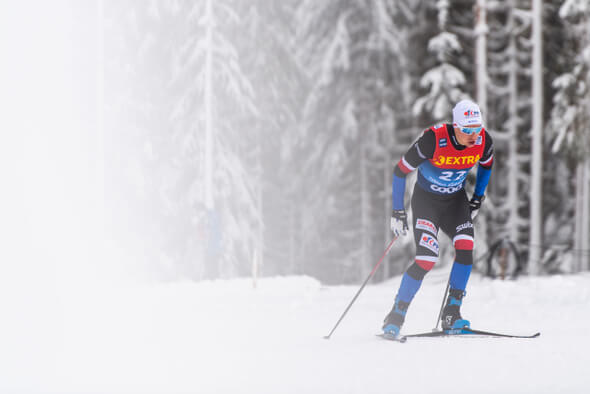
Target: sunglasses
{"type": "Point", "coordinates": [471, 130]}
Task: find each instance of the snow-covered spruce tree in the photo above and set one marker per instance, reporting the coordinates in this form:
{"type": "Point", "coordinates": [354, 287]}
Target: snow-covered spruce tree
{"type": "Point", "coordinates": [509, 59]}
{"type": "Point", "coordinates": [138, 148]}
{"type": "Point", "coordinates": [397, 128]}
{"type": "Point", "coordinates": [510, 117]}
{"type": "Point", "coordinates": [212, 165]}
{"type": "Point", "coordinates": [164, 48]}
{"type": "Point", "coordinates": [535, 194]}
{"type": "Point", "coordinates": [569, 124]}
{"type": "Point", "coordinates": [268, 58]}
{"type": "Point", "coordinates": [350, 52]}
{"type": "Point", "coordinates": [444, 83]}
{"type": "Point", "coordinates": [184, 162]}
{"type": "Point", "coordinates": [557, 204]}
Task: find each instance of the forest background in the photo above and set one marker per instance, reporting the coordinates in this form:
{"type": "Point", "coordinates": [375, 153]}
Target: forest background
{"type": "Point", "coordinates": [259, 137]}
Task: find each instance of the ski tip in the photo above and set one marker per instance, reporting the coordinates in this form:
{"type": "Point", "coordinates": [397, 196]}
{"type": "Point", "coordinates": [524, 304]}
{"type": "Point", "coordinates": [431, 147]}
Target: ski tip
{"type": "Point", "coordinates": [326, 337]}
{"type": "Point", "coordinates": [536, 335]}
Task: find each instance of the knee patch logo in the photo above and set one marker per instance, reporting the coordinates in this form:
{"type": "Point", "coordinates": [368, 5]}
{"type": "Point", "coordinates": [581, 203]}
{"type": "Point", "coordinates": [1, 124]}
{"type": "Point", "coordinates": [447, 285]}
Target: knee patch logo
{"type": "Point", "coordinates": [429, 242]}
{"type": "Point", "coordinates": [423, 224]}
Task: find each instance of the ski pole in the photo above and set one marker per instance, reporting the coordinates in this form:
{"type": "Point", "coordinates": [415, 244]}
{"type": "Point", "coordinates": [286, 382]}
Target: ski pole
{"type": "Point", "coordinates": [442, 305]}
{"type": "Point", "coordinates": [362, 287]}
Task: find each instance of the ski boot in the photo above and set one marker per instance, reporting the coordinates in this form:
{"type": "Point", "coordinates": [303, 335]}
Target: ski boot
{"type": "Point", "coordinates": [394, 320]}
{"type": "Point", "coordinates": [451, 316]}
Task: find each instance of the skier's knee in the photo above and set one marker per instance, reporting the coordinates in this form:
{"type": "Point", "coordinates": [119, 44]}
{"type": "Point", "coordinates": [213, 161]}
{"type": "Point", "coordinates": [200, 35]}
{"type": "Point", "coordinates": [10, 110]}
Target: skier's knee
{"type": "Point", "coordinates": [463, 242]}
{"type": "Point", "coordinates": [463, 249]}
{"type": "Point", "coordinates": [421, 266]}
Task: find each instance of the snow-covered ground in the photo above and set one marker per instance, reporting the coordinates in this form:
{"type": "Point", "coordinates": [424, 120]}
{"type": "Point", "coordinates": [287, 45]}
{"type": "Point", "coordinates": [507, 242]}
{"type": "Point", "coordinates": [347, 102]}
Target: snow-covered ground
{"type": "Point", "coordinates": [226, 337]}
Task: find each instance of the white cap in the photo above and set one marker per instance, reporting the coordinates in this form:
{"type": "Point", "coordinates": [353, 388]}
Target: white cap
{"type": "Point", "coordinates": [467, 113]}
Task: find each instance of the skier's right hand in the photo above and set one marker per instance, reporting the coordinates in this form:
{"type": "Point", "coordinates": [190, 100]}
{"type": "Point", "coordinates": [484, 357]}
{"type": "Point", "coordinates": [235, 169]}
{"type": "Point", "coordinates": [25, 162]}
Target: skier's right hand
{"type": "Point", "coordinates": [475, 205]}
{"type": "Point", "coordinates": [399, 222]}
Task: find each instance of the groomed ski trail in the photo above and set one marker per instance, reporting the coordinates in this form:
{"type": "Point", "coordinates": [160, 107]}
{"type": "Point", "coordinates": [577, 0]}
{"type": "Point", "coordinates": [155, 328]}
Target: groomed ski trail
{"type": "Point", "coordinates": [226, 337]}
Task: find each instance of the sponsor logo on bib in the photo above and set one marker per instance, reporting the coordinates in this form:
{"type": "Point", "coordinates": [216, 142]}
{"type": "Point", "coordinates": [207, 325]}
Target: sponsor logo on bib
{"type": "Point", "coordinates": [456, 160]}
{"type": "Point", "coordinates": [445, 189]}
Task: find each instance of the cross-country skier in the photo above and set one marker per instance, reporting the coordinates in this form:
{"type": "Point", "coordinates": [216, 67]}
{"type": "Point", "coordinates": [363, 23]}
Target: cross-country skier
{"type": "Point", "coordinates": [443, 155]}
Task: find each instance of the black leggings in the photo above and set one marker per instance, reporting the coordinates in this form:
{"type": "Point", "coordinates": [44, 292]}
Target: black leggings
{"type": "Point", "coordinates": [450, 214]}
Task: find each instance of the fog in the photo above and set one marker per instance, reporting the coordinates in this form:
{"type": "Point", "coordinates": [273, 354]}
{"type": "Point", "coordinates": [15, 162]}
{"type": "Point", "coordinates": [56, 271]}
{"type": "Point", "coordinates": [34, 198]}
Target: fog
{"type": "Point", "coordinates": [200, 141]}
{"type": "Point", "coordinates": [156, 154]}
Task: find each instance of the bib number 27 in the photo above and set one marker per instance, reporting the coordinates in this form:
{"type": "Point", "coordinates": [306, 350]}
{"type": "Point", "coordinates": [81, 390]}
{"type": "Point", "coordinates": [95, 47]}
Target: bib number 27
{"type": "Point", "coordinates": [447, 175]}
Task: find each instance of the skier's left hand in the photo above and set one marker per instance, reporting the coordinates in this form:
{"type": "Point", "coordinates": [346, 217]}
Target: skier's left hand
{"type": "Point", "coordinates": [475, 204]}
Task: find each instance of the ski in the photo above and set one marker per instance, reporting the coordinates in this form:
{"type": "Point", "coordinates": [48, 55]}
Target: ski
{"type": "Point", "coordinates": [466, 331]}
{"type": "Point", "coordinates": [390, 337]}
{"type": "Point", "coordinates": [496, 334]}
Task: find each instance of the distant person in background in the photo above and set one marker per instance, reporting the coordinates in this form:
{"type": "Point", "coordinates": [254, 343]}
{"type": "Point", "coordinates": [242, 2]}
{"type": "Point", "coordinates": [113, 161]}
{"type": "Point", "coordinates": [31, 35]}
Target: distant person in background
{"type": "Point", "coordinates": [443, 155]}
{"type": "Point", "coordinates": [214, 244]}
{"type": "Point", "coordinates": [209, 240]}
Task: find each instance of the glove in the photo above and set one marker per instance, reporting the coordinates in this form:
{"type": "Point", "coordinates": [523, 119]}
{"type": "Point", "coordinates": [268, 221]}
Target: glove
{"type": "Point", "coordinates": [475, 204]}
{"type": "Point", "coordinates": [399, 222]}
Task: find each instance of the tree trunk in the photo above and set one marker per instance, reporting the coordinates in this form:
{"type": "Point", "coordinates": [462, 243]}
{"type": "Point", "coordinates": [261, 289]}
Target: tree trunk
{"type": "Point", "coordinates": [365, 211]}
{"type": "Point", "coordinates": [586, 216]}
{"type": "Point", "coordinates": [481, 30]}
{"type": "Point", "coordinates": [259, 243]}
{"type": "Point", "coordinates": [578, 243]}
{"type": "Point", "coordinates": [586, 198]}
{"type": "Point", "coordinates": [291, 231]}
{"type": "Point", "coordinates": [209, 107]}
{"type": "Point", "coordinates": [536, 228]}
{"type": "Point", "coordinates": [481, 75]}
{"type": "Point", "coordinates": [513, 165]}
{"type": "Point", "coordinates": [582, 213]}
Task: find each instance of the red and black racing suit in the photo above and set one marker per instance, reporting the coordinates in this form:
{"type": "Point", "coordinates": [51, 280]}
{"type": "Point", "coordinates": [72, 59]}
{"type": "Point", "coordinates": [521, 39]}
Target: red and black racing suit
{"type": "Point", "coordinates": [439, 200]}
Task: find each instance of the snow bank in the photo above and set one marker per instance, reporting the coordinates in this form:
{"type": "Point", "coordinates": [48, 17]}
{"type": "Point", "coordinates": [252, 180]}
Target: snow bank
{"type": "Point", "coordinates": [227, 337]}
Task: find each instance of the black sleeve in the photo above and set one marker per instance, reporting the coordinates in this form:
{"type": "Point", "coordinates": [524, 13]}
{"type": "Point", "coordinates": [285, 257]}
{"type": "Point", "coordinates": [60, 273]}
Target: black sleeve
{"type": "Point", "coordinates": [487, 160]}
{"type": "Point", "coordinates": [418, 153]}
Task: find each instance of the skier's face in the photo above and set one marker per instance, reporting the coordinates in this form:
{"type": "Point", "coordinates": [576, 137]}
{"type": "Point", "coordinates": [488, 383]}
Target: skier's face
{"type": "Point", "coordinates": [469, 137]}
